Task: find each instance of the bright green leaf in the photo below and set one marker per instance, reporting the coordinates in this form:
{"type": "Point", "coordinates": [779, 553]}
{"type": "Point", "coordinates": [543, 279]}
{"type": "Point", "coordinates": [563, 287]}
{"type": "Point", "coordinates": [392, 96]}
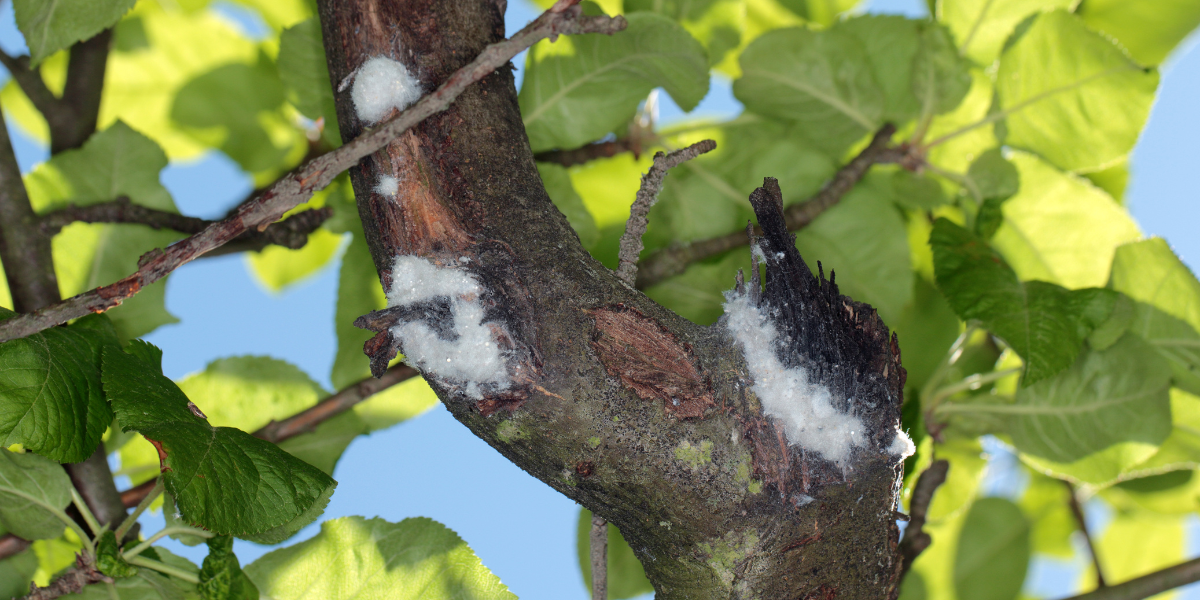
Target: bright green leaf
{"type": "Point", "coordinates": [305, 76]}
{"type": "Point", "coordinates": [993, 551]}
{"type": "Point", "coordinates": [277, 267]}
{"type": "Point", "coordinates": [580, 88]}
{"type": "Point", "coordinates": [221, 577]}
{"type": "Point", "coordinates": [824, 12]}
{"type": "Point", "coordinates": [1045, 503]}
{"type": "Point", "coordinates": [940, 79]}
{"type": "Point", "coordinates": [981, 26]}
{"type": "Point", "coordinates": [1148, 30]}
{"type": "Point", "coordinates": [223, 479]}
{"type": "Point", "coordinates": [960, 140]}
{"type": "Point", "coordinates": [819, 79]}
{"type": "Point", "coordinates": [50, 26]}
{"type": "Point", "coordinates": [51, 399]}
{"type": "Point", "coordinates": [558, 184]}
{"type": "Point", "coordinates": [626, 578]}
{"type": "Point", "coordinates": [1071, 95]}
{"type": "Point", "coordinates": [715, 23]}
{"type": "Point", "coordinates": [359, 292]}
{"type": "Point", "coordinates": [33, 493]}
{"type": "Point", "coordinates": [362, 559]}
{"type": "Point", "coordinates": [1137, 543]}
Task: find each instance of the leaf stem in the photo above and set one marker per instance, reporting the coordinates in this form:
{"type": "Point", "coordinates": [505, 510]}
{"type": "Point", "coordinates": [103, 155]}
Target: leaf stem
{"type": "Point", "coordinates": [85, 511]}
{"type": "Point", "coordinates": [141, 508]}
{"type": "Point", "coordinates": [154, 565]}
{"type": "Point", "coordinates": [972, 382]}
{"type": "Point", "coordinates": [138, 549]}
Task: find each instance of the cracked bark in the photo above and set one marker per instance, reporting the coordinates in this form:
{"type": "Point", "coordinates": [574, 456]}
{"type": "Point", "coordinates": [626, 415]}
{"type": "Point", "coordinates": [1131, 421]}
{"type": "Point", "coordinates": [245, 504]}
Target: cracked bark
{"type": "Point", "coordinates": [710, 497]}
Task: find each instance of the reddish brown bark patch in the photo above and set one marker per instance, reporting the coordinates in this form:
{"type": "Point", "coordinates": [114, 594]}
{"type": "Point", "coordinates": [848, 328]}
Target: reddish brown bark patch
{"type": "Point", "coordinates": [648, 359]}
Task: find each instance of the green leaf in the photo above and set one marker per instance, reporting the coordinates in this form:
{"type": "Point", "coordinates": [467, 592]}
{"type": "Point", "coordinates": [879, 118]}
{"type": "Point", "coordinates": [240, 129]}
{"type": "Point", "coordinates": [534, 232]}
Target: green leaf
{"type": "Point", "coordinates": [250, 391]}
{"type": "Point", "coordinates": [580, 88]}
{"type": "Point", "coordinates": [1044, 323]}
{"type": "Point", "coordinates": [981, 26]}
{"type": "Point", "coordinates": [994, 176]}
{"type": "Point", "coordinates": [824, 12]}
{"type": "Point", "coordinates": [1149, 31]}
{"type": "Point", "coordinates": [305, 76]}
{"type": "Point", "coordinates": [891, 42]}
{"type": "Point", "coordinates": [109, 560]}
{"type": "Point", "coordinates": [916, 191]}
{"type": "Point", "coordinates": [51, 399]}
{"type": "Point", "coordinates": [1059, 228]}
{"type": "Point", "coordinates": [961, 140]}
{"type": "Point", "coordinates": [940, 79]}
{"type": "Point", "coordinates": [359, 292]}
{"type": "Point", "coordinates": [1137, 543]}
{"type": "Point", "coordinates": [993, 551]}
{"type": "Point", "coordinates": [172, 518]}
{"type": "Point", "coordinates": [277, 267]}
{"type": "Point", "coordinates": [715, 23]}
{"type": "Point", "coordinates": [148, 584]}
{"type": "Point", "coordinates": [626, 579]}
{"type": "Point", "coordinates": [1071, 95]}
{"type": "Point", "coordinates": [926, 328]}
{"type": "Point", "coordinates": [223, 479]}
{"type": "Point", "coordinates": [52, 26]}
{"type": "Point", "coordinates": [221, 577]}
{"type": "Point", "coordinates": [819, 79]}
{"type": "Point", "coordinates": [357, 558]}
{"type": "Point", "coordinates": [15, 574]}
{"type": "Point", "coordinates": [1110, 396]}
{"type": "Point", "coordinates": [1045, 503]}
{"type": "Point", "coordinates": [558, 184]}
{"type": "Point", "coordinates": [33, 493]}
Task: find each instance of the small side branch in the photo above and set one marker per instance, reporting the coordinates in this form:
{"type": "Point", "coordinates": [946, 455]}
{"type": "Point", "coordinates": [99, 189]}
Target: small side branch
{"type": "Point", "coordinates": [589, 152]}
{"type": "Point", "coordinates": [915, 539]}
{"type": "Point", "coordinates": [598, 541]}
{"type": "Point", "coordinates": [71, 581]}
{"type": "Point", "coordinates": [298, 186]}
{"type": "Point", "coordinates": [1148, 585]}
{"type": "Point", "coordinates": [652, 182]}
{"type": "Point", "coordinates": [669, 262]}
{"type": "Point", "coordinates": [1077, 511]}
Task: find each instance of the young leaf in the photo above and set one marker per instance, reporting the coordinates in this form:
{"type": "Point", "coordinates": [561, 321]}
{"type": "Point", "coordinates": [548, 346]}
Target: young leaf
{"type": "Point", "coordinates": [109, 560]}
{"type": "Point", "coordinates": [1044, 323]}
{"type": "Point", "coordinates": [626, 579]}
{"type": "Point", "coordinates": [148, 584]}
{"type": "Point", "coordinates": [994, 179]}
{"type": "Point", "coordinates": [33, 493]}
{"type": "Point", "coordinates": [223, 479]}
{"type": "Point", "coordinates": [51, 26]}
{"type": "Point", "coordinates": [1149, 31]}
{"type": "Point", "coordinates": [354, 557]}
{"type": "Point", "coordinates": [51, 399]}
{"type": "Point", "coordinates": [1071, 95]}
{"type": "Point", "coordinates": [1106, 397]}
{"type": "Point", "coordinates": [305, 76]}
{"type": "Point", "coordinates": [940, 79]}
{"type": "Point", "coordinates": [221, 577]}
{"type": "Point", "coordinates": [822, 80]}
{"type": "Point", "coordinates": [578, 89]}
{"type": "Point", "coordinates": [981, 26]}
{"type": "Point", "coordinates": [993, 551]}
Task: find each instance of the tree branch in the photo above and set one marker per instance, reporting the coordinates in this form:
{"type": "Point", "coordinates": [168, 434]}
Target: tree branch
{"type": "Point", "coordinates": [71, 581]}
{"type": "Point", "coordinates": [590, 152]}
{"type": "Point", "coordinates": [28, 264]}
{"type": "Point", "coordinates": [647, 195]}
{"type": "Point", "coordinates": [1147, 585]}
{"type": "Point", "coordinates": [297, 187]}
{"type": "Point", "coordinates": [291, 232]}
{"type": "Point", "coordinates": [1077, 511]}
{"type": "Point", "coordinates": [31, 82]}
{"type": "Point", "coordinates": [915, 539]}
{"type": "Point", "coordinates": [342, 401]}
{"type": "Point", "coordinates": [669, 262]}
{"type": "Point", "coordinates": [80, 102]}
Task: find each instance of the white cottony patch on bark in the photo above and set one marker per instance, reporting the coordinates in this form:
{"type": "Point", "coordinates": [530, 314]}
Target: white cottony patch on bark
{"type": "Point", "coordinates": [902, 446]}
{"type": "Point", "coordinates": [387, 186]}
{"type": "Point", "coordinates": [380, 85]}
{"type": "Point", "coordinates": [804, 408]}
{"type": "Point", "coordinates": [472, 358]}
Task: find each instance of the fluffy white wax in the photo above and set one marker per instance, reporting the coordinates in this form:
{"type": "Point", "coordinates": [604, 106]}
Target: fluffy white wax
{"type": "Point", "coordinates": [380, 85]}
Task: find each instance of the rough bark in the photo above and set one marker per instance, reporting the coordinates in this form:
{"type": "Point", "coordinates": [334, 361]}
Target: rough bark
{"type": "Point", "coordinates": [618, 403]}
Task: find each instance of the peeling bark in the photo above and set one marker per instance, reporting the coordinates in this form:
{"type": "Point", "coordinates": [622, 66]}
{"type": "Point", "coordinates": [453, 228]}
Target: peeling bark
{"type": "Point", "coordinates": [708, 493]}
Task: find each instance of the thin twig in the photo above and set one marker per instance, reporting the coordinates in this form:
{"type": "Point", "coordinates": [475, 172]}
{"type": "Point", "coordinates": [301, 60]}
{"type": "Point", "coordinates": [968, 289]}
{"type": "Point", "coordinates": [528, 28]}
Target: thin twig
{"type": "Point", "coordinates": [31, 82]}
{"type": "Point", "coordinates": [297, 187]}
{"type": "Point", "coordinates": [1077, 510]}
{"type": "Point", "coordinates": [915, 539]}
{"type": "Point", "coordinates": [669, 262]}
{"type": "Point", "coordinates": [70, 582]}
{"type": "Point", "coordinates": [598, 541]}
{"type": "Point", "coordinates": [590, 152]}
{"type": "Point", "coordinates": [647, 195]}
{"type": "Point", "coordinates": [1147, 585]}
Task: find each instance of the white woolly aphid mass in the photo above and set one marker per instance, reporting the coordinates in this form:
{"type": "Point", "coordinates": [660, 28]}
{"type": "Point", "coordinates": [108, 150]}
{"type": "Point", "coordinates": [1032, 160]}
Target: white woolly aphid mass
{"type": "Point", "coordinates": [380, 85]}
{"type": "Point", "coordinates": [472, 359]}
{"type": "Point", "coordinates": [387, 186]}
{"type": "Point", "coordinates": [805, 408]}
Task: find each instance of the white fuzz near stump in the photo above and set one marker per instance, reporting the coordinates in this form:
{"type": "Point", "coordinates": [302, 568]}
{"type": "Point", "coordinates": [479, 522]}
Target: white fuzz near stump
{"type": "Point", "coordinates": [380, 85]}
{"type": "Point", "coordinates": [473, 359]}
{"type": "Point", "coordinates": [387, 186]}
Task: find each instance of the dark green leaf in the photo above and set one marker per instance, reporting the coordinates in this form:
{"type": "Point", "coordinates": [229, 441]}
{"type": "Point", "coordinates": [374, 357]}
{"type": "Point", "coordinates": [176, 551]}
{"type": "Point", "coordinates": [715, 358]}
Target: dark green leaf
{"type": "Point", "coordinates": [993, 551]}
{"type": "Point", "coordinates": [148, 584]}
{"type": "Point", "coordinates": [305, 76]}
{"type": "Point", "coordinates": [52, 26]}
{"type": "Point", "coordinates": [223, 479]}
{"type": "Point", "coordinates": [221, 577]}
{"type": "Point", "coordinates": [146, 352]}
{"type": "Point", "coordinates": [940, 79]}
{"type": "Point", "coordinates": [33, 493]}
{"type": "Point", "coordinates": [916, 191]}
{"type": "Point", "coordinates": [891, 43]}
{"type": "Point", "coordinates": [626, 578]}
{"type": "Point", "coordinates": [580, 88]}
{"type": "Point", "coordinates": [109, 560]}
{"type": "Point", "coordinates": [51, 399]}
{"type": "Point", "coordinates": [354, 557]}
{"type": "Point", "coordinates": [16, 572]}
{"type": "Point", "coordinates": [993, 176]}
{"type": "Point", "coordinates": [926, 328]}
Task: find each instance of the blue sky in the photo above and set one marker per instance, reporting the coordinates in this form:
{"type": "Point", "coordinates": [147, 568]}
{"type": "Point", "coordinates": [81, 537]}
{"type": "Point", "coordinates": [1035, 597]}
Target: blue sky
{"type": "Point", "coordinates": [432, 466]}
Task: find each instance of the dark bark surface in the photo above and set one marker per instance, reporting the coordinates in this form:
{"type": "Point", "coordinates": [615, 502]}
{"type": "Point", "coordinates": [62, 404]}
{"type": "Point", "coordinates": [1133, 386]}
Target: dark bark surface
{"type": "Point", "coordinates": [625, 407]}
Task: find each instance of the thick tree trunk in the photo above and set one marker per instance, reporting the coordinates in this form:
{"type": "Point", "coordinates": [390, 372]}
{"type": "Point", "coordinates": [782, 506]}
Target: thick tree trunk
{"type": "Point", "coordinates": [645, 418]}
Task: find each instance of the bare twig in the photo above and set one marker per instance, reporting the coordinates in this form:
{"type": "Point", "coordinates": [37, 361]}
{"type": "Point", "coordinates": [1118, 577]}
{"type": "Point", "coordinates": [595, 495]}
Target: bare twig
{"type": "Point", "coordinates": [915, 539]}
{"type": "Point", "coordinates": [598, 541]}
{"type": "Point", "coordinates": [590, 152]}
{"type": "Point", "coordinates": [652, 182]}
{"type": "Point", "coordinates": [291, 232]}
{"type": "Point", "coordinates": [11, 545]}
{"type": "Point", "coordinates": [669, 262]}
{"type": "Point", "coordinates": [298, 186]}
{"type": "Point", "coordinates": [31, 83]}
{"type": "Point", "coordinates": [1147, 585]}
{"type": "Point", "coordinates": [71, 581]}
{"type": "Point", "coordinates": [1077, 510]}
